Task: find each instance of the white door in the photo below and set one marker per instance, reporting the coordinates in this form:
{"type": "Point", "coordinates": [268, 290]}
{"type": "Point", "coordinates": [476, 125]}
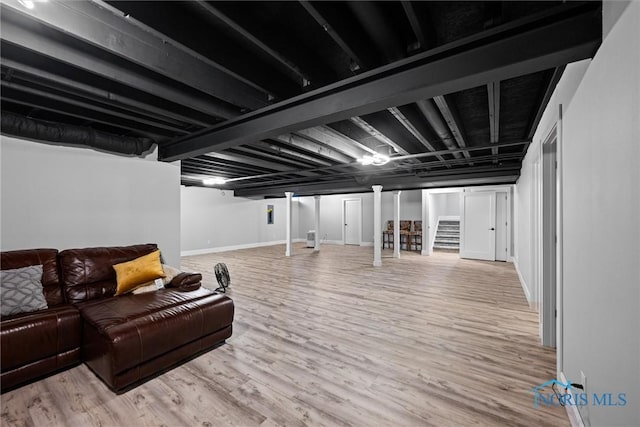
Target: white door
{"type": "Point", "coordinates": [478, 225]}
{"type": "Point", "coordinates": [352, 225]}
{"type": "Point", "coordinates": [502, 224]}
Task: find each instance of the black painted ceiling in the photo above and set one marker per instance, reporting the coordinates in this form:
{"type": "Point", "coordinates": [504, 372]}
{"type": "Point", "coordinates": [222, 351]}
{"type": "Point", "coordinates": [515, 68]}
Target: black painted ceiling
{"type": "Point", "coordinates": [279, 96]}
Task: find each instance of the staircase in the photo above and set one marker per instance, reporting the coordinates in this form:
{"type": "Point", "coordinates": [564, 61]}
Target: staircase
{"type": "Point", "coordinates": [447, 235]}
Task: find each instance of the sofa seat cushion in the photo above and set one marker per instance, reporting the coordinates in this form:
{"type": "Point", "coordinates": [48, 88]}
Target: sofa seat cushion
{"type": "Point", "coordinates": [29, 337]}
{"type": "Point", "coordinates": [124, 332]}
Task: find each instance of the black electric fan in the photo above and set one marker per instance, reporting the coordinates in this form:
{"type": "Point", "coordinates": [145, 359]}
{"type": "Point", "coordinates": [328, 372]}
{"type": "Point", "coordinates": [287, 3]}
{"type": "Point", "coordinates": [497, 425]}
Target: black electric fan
{"type": "Point", "coordinates": [222, 276]}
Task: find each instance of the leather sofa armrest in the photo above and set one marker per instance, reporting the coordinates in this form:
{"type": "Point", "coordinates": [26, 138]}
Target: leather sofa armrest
{"type": "Point", "coordinates": [186, 281]}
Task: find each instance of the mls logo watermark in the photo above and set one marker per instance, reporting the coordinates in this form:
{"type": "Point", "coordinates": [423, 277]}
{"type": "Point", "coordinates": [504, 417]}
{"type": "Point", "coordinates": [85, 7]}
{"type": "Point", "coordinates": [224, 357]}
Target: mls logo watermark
{"type": "Point", "coordinates": [573, 395]}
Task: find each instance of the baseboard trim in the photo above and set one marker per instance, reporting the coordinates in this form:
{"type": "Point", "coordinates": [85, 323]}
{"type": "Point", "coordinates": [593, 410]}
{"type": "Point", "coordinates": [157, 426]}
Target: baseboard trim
{"type": "Point", "coordinates": [572, 410]}
{"type": "Point", "coordinates": [236, 247]}
{"type": "Point", "coordinates": [522, 282]}
{"type": "Point", "coordinates": [366, 243]}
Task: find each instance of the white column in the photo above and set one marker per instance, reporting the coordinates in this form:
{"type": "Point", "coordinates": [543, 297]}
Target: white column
{"type": "Point", "coordinates": [425, 224]}
{"type": "Point", "coordinates": [396, 224]}
{"type": "Point", "coordinates": [316, 246]}
{"type": "Point", "coordinates": [287, 251]}
{"type": "Point", "coordinates": [377, 225]}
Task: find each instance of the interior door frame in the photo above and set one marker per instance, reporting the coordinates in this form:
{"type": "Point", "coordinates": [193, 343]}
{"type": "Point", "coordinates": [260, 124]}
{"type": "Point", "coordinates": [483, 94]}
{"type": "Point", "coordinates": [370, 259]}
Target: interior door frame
{"type": "Point", "coordinates": [548, 234]}
{"type": "Point", "coordinates": [344, 219]}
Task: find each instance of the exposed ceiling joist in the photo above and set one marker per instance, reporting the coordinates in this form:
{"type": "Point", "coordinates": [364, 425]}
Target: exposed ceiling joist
{"type": "Point", "coordinates": [493, 91]}
{"type": "Point", "coordinates": [552, 38]}
{"type": "Point", "coordinates": [504, 176]}
{"type": "Point", "coordinates": [334, 140]}
{"type": "Point", "coordinates": [281, 154]}
{"type": "Point", "coordinates": [315, 148]}
{"type": "Point", "coordinates": [450, 116]}
{"type": "Point", "coordinates": [373, 20]}
{"type": "Point", "coordinates": [100, 25]}
{"type": "Point", "coordinates": [20, 36]}
{"type": "Point", "coordinates": [291, 69]}
{"type": "Point", "coordinates": [415, 23]}
{"type": "Point", "coordinates": [133, 119]}
{"type": "Point", "coordinates": [103, 95]}
{"type": "Point", "coordinates": [544, 100]}
{"type": "Point", "coordinates": [411, 128]}
{"type": "Point", "coordinates": [251, 161]}
{"type": "Point", "coordinates": [341, 32]}
{"type": "Point", "coordinates": [365, 126]}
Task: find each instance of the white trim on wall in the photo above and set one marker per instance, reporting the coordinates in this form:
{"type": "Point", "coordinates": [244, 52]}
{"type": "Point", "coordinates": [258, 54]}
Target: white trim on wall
{"type": "Point", "coordinates": [522, 282]}
{"type": "Point", "coordinates": [237, 247]}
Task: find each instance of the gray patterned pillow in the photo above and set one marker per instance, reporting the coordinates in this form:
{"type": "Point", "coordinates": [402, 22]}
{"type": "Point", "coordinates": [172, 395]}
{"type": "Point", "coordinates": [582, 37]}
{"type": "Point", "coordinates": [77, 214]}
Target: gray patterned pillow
{"type": "Point", "coordinates": [22, 290]}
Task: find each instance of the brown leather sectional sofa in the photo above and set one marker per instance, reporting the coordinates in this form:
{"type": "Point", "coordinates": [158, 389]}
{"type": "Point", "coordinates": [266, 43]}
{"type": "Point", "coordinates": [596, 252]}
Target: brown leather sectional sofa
{"type": "Point", "coordinates": [124, 340]}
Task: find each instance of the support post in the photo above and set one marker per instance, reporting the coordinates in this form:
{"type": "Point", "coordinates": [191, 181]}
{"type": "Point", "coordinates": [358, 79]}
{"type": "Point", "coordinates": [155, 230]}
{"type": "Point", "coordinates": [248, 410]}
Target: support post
{"type": "Point", "coordinates": [426, 241]}
{"type": "Point", "coordinates": [377, 225]}
{"type": "Point", "coordinates": [316, 247]}
{"type": "Point", "coordinates": [396, 224]}
{"type": "Point", "coordinates": [287, 251]}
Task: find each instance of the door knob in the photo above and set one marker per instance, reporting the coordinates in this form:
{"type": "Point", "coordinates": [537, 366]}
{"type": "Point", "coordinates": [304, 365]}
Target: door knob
{"type": "Point", "coordinates": [492, 229]}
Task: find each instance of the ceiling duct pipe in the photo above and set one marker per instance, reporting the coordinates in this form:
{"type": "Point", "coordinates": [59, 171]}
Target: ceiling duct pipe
{"type": "Point", "coordinates": [431, 113]}
{"type": "Point", "coordinates": [26, 127]}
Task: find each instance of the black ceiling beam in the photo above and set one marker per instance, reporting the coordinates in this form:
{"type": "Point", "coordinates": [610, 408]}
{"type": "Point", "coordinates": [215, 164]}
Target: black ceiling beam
{"type": "Point", "coordinates": [333, 168]}
{"type": "Point", "coordinates": [18, 35]}
{"type": "Point", "coordinates": [404, 121]}
{"type": "Point", "coordinates": [331, 138]}
{"type": "Point", "coordinates": [81, 113]}
{"type": "Point", "coordinates": [283, 154]}
{"type": "Point", "coordinates": [382, 138]}
{"type": "Point", "coordinates": [283, 63]}
{"type": "Point", "coordinates": [251, 161]}
{"type": "Point", "coordinates": [505, 176]}
{"type": "Point", "coordinates": [87, 105]}
{"type": "Point", "coordinates": [101, 94]}
{"type": "Point", "coordinates": [377, 27]}
{"type": "Point", "coordinates": [552, 82]}
{"type": "Point", "coordinates": [351, 47]}
{"type": "Point", "coordinates": [451, 117]}
{"type": "Point", "coordinates": [552, 39]}
{"type": "Point", "coordinates": [415, 23]}
{"type": "Point", "coordinates": [314, 147]}
{"type": "Point", "coordinates": [100, 25]}
{"type": "Point", "coordinates": [493, 92]}
{"type": "Point", "coordinates": [381, 171]}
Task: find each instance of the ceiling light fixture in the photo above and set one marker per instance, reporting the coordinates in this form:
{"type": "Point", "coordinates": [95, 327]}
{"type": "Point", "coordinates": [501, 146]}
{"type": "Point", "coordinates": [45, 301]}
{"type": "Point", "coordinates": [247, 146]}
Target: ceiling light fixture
{"type": "Point", "coordinates": [377, 159]}
{"type": "Point", "coordinates": [216, 180]}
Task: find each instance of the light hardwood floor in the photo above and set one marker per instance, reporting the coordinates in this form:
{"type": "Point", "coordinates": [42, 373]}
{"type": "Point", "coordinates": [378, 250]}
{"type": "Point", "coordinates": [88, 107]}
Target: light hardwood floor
{"type": "Point", "coordinates": [327, 339]}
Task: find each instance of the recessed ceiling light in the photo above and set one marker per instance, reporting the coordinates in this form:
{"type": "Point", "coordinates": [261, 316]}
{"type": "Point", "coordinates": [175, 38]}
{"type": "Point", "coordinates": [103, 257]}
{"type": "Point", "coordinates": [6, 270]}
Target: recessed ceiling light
{"type": "Point", "coordinates": [216, 180]}
{"type": "Point", "coordinates": [27, 3]}
{"type": "Point", "coordinates": [376, 160]}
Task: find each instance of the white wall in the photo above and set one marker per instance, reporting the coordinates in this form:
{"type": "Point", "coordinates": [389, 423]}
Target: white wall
{"type": "Point", "coordinates": [331, 213]}
{"type": "Point", "coordinates": [526, 186]}
{"type": "Point", "coordinates": [601, 220]}
{"type": "Point", "coordinates": [214, 220]}
{"type": "Point", "coordinates": [69, 197]}
{"type": "Point", "coordinates": [601, 198]}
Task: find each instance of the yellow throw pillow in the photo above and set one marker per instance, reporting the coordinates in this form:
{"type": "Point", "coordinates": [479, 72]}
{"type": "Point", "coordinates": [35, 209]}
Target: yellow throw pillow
{"type": "Point", "coordinates": [138, 272]}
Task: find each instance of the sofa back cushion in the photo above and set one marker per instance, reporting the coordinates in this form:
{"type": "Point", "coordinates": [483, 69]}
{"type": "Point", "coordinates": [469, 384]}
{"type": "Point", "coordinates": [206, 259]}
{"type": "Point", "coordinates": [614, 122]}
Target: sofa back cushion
{"type": "Point", "coordinates": [88, 273]}
{"type": "Point", "coordinates": [48, 258]}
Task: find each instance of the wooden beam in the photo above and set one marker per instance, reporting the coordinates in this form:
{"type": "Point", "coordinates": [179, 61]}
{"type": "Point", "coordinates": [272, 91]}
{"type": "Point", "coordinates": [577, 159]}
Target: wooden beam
{"type": "Point", "coordinates": [103, 26]}
{"type": "Point", "coordinates": [552, 39]}
{"type": "Point", "coordinates": [20, 36]}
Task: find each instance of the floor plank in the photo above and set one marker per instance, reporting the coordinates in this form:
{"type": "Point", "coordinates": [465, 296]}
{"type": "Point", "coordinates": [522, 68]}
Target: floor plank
{"type": "Point", "coordinates": [327, 339]}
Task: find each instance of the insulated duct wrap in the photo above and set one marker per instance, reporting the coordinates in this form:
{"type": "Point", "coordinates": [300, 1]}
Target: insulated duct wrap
{"type": "Point", "coordinates": [25, 127]}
